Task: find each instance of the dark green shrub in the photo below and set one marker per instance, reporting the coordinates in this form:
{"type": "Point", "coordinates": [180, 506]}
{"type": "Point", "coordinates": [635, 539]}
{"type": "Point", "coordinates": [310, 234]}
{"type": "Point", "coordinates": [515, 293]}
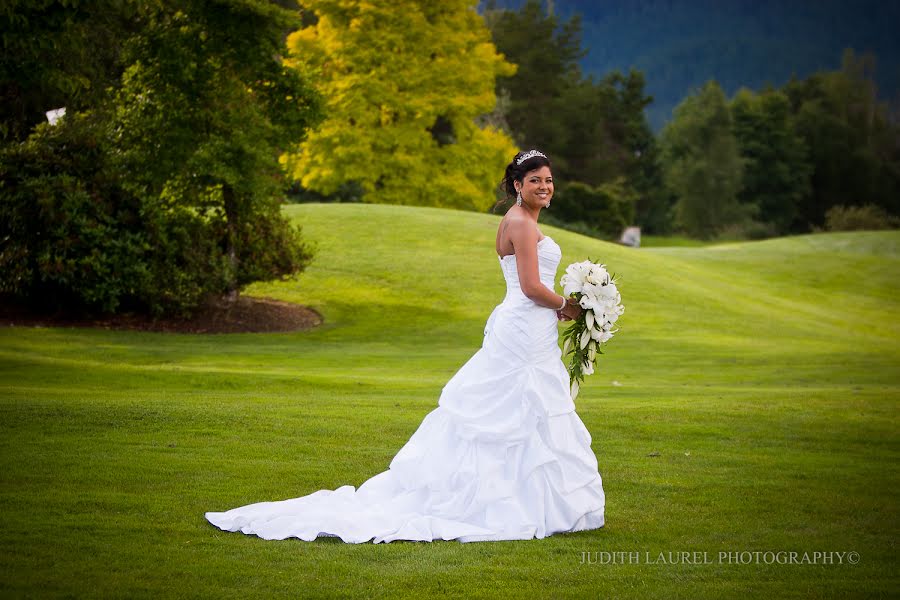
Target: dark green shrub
{"type": "Point", "coordinates": [350, 191]}
{"type": "Point", "coordinates": [577, 227]}
{"type": "Point", "coordinates": [747, 229]}
{"type": "Point", "coordinates": [73, 238]}
{"type": "Point", "coordinates": [856, 218]}
{"type": "Point", "coordinates": [69, 235]}
{"type": "Point", "coordinates": [607, 208]}
{"type": "Point", "coordinates": [271, 247]}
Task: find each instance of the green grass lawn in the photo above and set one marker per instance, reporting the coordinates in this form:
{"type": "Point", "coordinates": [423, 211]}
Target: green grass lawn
{"type": "Point", "coordinates": [749, 403]}
{"type": "Point", "coordinates": [653, 241]}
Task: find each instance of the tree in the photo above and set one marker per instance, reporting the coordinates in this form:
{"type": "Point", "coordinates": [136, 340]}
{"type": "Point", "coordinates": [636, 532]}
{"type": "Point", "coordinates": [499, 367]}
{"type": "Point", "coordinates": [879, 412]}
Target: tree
{"type": "Point", "coordinates": [776, 166]}
{"type": "Point", "coordinates": [852, 141]}
{"type": "Point", "coordinates": [635, 150]}
{"type": "Point", "coordinates": [702, 163]}
{"type": "Point", "coordinates": [543, 89]}
{"type": "Point", "coordinates": [58, 53]}
{"type": "Point", "coordinates": [595, 131]}
{"type": "Point", "coordinates": [607, 135]}
{"type": "Point", "coordinates": [205, 108]}
{"type": "Point", "coordinates": [403, 82]}
{"type": "Point", "coordinates": [184, 169]}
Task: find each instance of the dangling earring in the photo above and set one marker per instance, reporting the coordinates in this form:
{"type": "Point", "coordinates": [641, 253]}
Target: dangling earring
{"type": "Point", "coordinates": [519, 199]}
{"type": "Point", "coordinates": [548, 204]}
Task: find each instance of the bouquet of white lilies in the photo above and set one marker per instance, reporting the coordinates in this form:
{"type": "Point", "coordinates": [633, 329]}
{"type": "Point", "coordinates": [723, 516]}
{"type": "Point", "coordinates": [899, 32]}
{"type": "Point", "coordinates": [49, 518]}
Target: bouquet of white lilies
{"type": "Point", "coordinates": [596, 292]}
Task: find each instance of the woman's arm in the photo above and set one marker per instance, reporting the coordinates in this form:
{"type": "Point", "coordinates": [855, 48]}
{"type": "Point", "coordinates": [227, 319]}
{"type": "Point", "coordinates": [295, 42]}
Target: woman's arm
{"type": "Point", "coordinates": [524, 237]}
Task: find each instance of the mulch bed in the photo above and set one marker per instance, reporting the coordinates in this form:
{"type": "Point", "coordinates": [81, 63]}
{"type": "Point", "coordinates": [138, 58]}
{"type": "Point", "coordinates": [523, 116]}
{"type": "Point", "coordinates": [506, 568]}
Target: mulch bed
{"type": "Point", "coordinates": [245, 314]}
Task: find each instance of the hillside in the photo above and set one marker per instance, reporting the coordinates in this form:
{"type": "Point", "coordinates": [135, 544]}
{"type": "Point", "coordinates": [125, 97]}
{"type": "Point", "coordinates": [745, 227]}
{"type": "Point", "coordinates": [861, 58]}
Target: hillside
{"type": "Point", "coordinates": [748, 403]}
{"type": "Point", "coordinates": [443, 263]}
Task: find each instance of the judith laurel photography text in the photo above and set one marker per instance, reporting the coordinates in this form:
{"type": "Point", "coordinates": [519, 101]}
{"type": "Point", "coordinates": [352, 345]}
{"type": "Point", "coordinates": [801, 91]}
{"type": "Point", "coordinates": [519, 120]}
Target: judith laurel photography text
{"type": "Point", "coordinates": [722, 557]}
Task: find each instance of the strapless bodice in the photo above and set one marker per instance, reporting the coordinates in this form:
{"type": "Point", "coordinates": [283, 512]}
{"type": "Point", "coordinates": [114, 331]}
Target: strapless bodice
{"type": "Point", "coordinates": [549, 255]}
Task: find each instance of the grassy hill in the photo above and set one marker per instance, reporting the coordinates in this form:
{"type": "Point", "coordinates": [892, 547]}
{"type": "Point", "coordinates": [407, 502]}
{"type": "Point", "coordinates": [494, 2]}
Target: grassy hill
{"type": "Point", "coordinates": [749, 403]}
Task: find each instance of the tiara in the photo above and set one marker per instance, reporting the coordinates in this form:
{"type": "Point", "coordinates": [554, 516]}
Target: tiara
{"type": "Point", "coordinates": [529, 154]}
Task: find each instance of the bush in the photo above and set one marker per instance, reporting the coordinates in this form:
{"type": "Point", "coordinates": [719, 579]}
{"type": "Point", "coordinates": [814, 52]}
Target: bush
{"type": "Point", "coordinates": [74, 237]}
{"type": "Point", "coordinates": [270, 247]}
{"type": "Point", "coordinates": [856, 218]}
{"type": "Point", "coordinates": [350, 191]}
{"type": "Point", "coordinates": [577, 227]}
{"type": "Point", "coordinates": [748, 229]}
{"type": "Point", "coordinates": [69, 234]}
{"type": "Point", "coordinates": [607, 208]}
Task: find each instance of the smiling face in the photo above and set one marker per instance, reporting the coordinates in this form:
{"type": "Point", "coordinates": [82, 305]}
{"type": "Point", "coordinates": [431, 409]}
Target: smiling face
{"type": "Point", "coordinates": [536, 187]}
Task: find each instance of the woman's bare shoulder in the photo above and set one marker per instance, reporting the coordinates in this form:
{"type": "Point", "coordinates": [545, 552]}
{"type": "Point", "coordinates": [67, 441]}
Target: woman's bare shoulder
{"type": "Point", "coordinates": [520, 226]}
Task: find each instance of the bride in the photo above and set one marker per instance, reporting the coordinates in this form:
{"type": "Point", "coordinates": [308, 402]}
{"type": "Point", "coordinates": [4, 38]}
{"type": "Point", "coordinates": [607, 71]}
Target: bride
{"type": "Point", "coordinates": [503, 456]}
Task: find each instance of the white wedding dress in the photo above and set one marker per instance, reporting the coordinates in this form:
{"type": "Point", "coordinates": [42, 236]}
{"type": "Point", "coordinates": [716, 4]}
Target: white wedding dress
{"type": "Point", "coordinates": [504, 456]}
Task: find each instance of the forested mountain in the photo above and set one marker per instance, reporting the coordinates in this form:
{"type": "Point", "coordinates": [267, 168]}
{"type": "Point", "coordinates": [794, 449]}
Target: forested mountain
{"type": "Point", "coordinates": [681, 44]}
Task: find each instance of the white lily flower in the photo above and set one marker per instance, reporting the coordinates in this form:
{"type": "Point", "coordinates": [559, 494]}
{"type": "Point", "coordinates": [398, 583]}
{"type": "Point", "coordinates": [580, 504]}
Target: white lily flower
{"type": "Point", "coordinates": [567, 346]}
{"type": "Point", "coordinates": [608, 291]}
{"type": "Point", "coordinates": [589, 302]}
{"type": "Point", "coordinates": [578, 271]}
{"type": "Point", "coordinates": [585, 338]}
{"type": "Point", "coordinates": [589, 319]}
{"type": "Point", "coordinates": [574, 390]}
{"type": "Point", "coordinates": [587, 368]}
{"type": "Point", "coordinates": [570, 286]}
{"type": "Point", "coordinates": [597, 275]}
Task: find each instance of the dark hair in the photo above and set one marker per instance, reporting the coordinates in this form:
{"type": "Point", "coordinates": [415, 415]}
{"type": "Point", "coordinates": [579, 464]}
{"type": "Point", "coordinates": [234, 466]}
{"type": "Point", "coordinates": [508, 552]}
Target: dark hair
{"type": "Point", "coordinates": [516, 172]}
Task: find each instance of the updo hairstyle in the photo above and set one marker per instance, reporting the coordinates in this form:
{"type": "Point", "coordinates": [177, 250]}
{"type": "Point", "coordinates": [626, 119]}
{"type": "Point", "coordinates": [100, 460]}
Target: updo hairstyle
{"type": "Point", "coordinates": [516, 172]}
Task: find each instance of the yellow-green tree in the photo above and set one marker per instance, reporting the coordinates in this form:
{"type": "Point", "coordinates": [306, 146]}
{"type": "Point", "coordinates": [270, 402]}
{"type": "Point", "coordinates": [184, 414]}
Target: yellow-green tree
{"type": "Point", "coordinates": [404, 82]}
